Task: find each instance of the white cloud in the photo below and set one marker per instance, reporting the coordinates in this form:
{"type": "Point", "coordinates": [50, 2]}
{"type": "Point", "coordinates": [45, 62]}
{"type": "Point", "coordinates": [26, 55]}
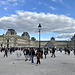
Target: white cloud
{"type": "Point", "coordinates": [40, 2]}
{"type": "Point", "coordinates": [1, 29]}
{"type": "Point", "coordinates": [68, 14]}
{"type": "Point", "coordinates": [5, 8]}
{"type": "Point", "coordinates": [60, 0]}
{"type": "Point", "coordinates": [11, 2]}
{"type": "Point", "coordinates": [64, 35]}
{"type": "Point", "coordinates": [53, 8]}
{"type": "Point", "coordinates": [3, 2]}
{"type": "Point", "coordinates": [57, 1]}
{"type": "Point", "coordinates": [43, 4]}
{"type": "Point", "coordinates": [34, 8]}
{"type": "Point", "coordinates": [15, 4]}
{"type": "Point", "coordinates": [54, 0]}
{"type": "Point", "coordinates": [29, 21]}
{"type": "Point", "coordinates": [16, 1]}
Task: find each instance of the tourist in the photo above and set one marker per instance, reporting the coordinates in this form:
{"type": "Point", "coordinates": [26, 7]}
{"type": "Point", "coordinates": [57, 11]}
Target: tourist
{"type": "Point", "coordinates": [41, 53]}
{"type": "Point", "coordinates": [32, 53]}
{"type": "Point", "coordinates": [74, 51]}
{"type": "Point", "coordinates": [65, 50]}
{"type": "Point", "coordinates": [53, 52]}
{"type": "Point", "coordinates": [26, 53]}
{"type": "Point", "coordinates": [29, 54]}
{"type": "Point", "coordinates": [68, 50]}
{"type": "Point", "coordinates": [38, 55]}
{"type": "Point", "coordinates": [45, 52]}
{"type": "Point", "coordinates": [18, 53]}
{"type": "Point", "coordinates": [6, 51]}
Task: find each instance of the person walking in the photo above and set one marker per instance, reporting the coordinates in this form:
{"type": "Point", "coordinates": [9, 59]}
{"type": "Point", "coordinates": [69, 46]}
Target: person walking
{"type": "Point", "coordinates": [29, 54]}
{"type": "Point", "coordinates": [5, 54]}
{"type": "Point", "coordinates": [32, 53]}
{"type": "Point", "coordinates": [65, 50]}
{"type": "Point", "coordinates": [53, 52]}
{"type": "Point", "coordinates": [45, 52]}
{"type": "Point", "coordinates": [38, 55]}
{"type": "Point", "coordinates": [18, 53]}
{"type": "Point", "coordinates": [26, 53]}
{"type": "Point", "coordinates": [74, 51]}
{"type": "Point", "coordinates": [68, 50]}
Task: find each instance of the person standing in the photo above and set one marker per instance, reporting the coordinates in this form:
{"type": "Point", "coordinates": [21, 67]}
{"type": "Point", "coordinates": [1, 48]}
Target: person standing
{"type": "Point", "coordinates": [53, 52]}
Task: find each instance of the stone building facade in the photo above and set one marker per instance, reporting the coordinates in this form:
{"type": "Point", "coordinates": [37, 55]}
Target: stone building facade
{"type": "Point", "coordinates": [11, 39]}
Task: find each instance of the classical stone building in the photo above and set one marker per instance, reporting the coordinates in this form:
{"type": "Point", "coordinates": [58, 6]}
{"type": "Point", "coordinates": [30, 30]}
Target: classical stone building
{"type": "Point", "coordinates": [11, 39]}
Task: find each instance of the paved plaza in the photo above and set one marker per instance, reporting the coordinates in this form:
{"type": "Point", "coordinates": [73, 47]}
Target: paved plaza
{"type": "Point", "coordinates": [61, 65]}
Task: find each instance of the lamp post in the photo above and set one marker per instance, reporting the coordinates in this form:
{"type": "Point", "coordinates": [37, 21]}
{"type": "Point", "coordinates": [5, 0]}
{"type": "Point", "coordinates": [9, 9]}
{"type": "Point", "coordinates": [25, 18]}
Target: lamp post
{"type": "Point", "coordinates": [8, 41]}
{"type": "Point", "coordinates": [74, 42]}
{"type": "Point", "coordinates": [39, 28]}
{"type": "Point", "coordinates": [29, 43]}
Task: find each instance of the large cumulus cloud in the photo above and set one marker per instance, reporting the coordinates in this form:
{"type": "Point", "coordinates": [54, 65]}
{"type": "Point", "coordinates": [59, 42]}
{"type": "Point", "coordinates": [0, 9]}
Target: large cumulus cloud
{"type": "Point", "coordinates": [29, 21]}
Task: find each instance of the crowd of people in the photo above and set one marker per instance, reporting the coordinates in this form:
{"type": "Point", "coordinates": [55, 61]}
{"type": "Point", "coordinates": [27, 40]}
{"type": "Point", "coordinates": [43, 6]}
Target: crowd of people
{"type": "Point", "coordinates": [30, 53]}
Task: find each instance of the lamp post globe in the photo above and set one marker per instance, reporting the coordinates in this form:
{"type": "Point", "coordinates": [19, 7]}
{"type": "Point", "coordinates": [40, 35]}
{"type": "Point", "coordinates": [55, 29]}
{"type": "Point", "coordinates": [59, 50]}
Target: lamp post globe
{"type": "Point", "coordinates": [39, 27]}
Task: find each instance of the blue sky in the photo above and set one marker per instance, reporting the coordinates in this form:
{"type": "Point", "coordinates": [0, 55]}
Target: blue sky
{"type": "Point", "coordinates": [57, 17]}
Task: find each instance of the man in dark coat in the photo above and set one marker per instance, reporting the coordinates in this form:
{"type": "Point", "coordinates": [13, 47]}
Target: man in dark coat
{"type": "Point", "coordinates": [6, 52]}
{"type": "Point", "coordinates": [53, 52]}
{"type": "Point", "coordinates": [32, 53]}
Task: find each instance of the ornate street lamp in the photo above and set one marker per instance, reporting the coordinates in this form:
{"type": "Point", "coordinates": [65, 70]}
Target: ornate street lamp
{"type": "Point", "coordinates": [39, 28]}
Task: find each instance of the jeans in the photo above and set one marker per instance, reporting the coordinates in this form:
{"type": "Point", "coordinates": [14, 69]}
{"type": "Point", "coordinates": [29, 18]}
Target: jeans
{"type": "Point", "coordinates": [32, 59]}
